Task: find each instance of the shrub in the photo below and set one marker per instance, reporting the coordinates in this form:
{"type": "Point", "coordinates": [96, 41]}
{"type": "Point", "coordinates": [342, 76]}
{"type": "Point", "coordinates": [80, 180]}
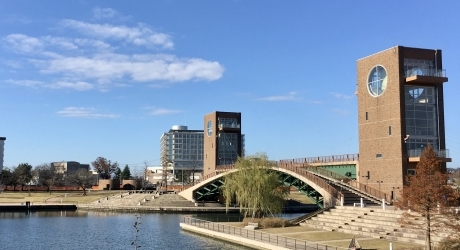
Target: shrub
{"type": "Point", "coordinates": [449, 244]}
{"type": "Point", "coordinates": [268, 222]}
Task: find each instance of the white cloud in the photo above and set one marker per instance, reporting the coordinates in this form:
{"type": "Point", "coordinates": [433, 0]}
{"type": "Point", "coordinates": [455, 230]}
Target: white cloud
{"type": "Point", "coordinates": [115, 66]}
{"type": "Point", "coordinates": [342, 96]}
{"type": "Point", "coordinates": [91, 62]}
{"type": "Point", "coordinates": [84, 113]}
{"type": "Point", "coordinates": [163, 111]}
{"type": "Point", "coordinates": [26, 83]}
{"type": "Point", "coordinates": [100, 13]}
{"type": "Point", "coordinates": [291, 96]}
{"type": "Point", "coordinates": [140, 35]}
{"type": "Point", "coordinates": [62, 42]}
{"type": "Point", "coordinates": [316, 102]}
{"type": "Point", "coordinates": [24, 44]}
{"type": "Point", "coordinates": [79, 85]}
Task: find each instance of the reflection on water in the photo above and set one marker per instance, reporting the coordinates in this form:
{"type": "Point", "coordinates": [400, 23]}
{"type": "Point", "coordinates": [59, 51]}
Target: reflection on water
{"type": "Point", "coordinates": [98, 230]}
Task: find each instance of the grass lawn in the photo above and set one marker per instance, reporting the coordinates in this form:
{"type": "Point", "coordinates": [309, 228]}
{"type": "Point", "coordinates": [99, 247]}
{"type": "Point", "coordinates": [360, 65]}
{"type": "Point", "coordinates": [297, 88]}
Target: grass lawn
{"type": "Point", "coordinates": [38, 196]}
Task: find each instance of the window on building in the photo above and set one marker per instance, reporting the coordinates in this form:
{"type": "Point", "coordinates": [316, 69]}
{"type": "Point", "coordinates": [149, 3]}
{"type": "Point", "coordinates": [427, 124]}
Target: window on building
{"type": "Point", "coordinates": [367, 116]}
{"type": "Point", "coordinates": [389, 130]}
{"type": "Point", "coordinates": [378, 156]}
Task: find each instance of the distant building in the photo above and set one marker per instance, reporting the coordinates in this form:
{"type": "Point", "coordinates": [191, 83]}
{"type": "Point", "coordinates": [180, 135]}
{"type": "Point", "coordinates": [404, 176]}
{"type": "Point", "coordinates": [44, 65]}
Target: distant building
{"type": "Point", "coordinates": [182, 149]}
{"type": "Point", "coordinates": [65, 167]}
{"type": "Point", "coordinates": [223, 142]}
{"type": "Point", "coordinates": [2, 146]}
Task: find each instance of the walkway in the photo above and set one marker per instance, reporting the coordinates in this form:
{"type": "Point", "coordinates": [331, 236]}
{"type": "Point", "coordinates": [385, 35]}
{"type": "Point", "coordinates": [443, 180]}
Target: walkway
{"type": "Point", "coordinates": [298, 237]}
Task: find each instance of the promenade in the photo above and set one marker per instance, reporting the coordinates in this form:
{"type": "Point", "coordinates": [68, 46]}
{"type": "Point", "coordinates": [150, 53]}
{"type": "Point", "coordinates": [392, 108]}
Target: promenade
{"type": "Point", "coordinates": [297, 237]}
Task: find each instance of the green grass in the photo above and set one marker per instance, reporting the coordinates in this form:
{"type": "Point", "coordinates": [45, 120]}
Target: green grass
{"type": "Point", "coordinates": [39, 196]}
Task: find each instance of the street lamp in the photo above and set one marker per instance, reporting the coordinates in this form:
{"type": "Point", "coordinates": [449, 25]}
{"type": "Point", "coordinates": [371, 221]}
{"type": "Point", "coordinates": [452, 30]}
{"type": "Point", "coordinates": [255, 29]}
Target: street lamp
{"type": "Point", "coordinates": [379, 182]}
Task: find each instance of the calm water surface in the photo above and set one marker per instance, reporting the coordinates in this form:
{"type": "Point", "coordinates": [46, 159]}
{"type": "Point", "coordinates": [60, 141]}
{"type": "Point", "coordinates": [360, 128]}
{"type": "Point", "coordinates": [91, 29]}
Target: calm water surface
{"type": "Point", "coordinates": [95, 230]}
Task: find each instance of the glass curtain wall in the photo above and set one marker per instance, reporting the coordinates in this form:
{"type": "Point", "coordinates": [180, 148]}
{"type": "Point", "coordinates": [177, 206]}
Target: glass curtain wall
{"type": "Point", "coordinates": [228, 148]}
{"type": "Point", "coordinates": [421, 118]}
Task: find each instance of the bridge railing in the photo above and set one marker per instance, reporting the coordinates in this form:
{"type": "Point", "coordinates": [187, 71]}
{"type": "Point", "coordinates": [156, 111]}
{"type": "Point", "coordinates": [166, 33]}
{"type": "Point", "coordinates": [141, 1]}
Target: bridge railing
{"type": "Point", "coordinates": [359, 186]}
{"type": "Point", "coordinates": [329, 174]}
{"type": "Point", "coordinates": [272, 239]}
{"type": "Point", "coordinates": [315, 179]}
{"type": "Point", "coordinates": [370, 190]}
{"type": "Point", "coordinates": [325, 159]}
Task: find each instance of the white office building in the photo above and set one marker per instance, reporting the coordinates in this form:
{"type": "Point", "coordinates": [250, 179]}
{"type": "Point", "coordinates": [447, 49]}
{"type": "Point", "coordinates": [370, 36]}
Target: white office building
{"type": "Point", "coordinates": [182, 148]}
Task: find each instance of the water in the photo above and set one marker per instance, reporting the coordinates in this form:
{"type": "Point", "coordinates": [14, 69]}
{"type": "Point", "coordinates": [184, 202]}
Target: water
{"type": "Point", "coordinates": [97, 230]}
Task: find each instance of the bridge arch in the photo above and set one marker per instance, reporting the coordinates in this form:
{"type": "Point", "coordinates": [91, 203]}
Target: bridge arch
{"type": "Point", "coordinates": [316, 188]}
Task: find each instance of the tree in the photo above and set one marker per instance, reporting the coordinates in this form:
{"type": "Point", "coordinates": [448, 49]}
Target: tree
{"type": "Point", "coordinates": [427, 194]}
{"type": "Point", "coordinates": [23, 173]}
{"type": "Point", "coordinates": [117, 174]}
{"type": "Point", "coordinates": [83, 178]}
{"type": "Point", "coordinates": [104, 168]}
{"type": "Point", "coordinates": [6, 177]}
{"type": "Point", "coordinates": [48, 176]}
{"type": "Point", "coordinates": [126, 173]}
{"type": "Point", "coordinates": [255, 187]}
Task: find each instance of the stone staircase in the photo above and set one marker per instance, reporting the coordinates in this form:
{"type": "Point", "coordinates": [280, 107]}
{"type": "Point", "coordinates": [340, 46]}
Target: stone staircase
{"type": "Point", "coordinates": [369, 221]}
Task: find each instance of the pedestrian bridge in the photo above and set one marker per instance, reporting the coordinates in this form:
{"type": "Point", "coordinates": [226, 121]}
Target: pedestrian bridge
{"type": "Point", "coordinates": [324, 187]}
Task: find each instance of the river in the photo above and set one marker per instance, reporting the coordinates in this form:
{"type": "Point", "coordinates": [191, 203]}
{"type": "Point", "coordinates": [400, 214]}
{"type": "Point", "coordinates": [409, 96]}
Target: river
{"type": "Point", "coordinates": [98, 230]}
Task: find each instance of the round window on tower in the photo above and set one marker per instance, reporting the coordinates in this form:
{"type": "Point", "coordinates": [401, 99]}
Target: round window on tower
{"type": "Point", "coordinates": [377, 81]}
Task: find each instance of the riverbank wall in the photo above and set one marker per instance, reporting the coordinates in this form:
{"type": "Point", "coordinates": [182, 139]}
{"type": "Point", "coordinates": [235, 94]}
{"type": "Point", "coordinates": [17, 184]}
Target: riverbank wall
{"type": "Point", "coordinates": [152, 209]}
{"type": "Point", "coordinates": [24, 207]}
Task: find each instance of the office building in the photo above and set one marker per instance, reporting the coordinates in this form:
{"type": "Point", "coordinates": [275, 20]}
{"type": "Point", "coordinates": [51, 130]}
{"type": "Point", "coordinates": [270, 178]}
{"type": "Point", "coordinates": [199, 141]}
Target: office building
{"type": "Point", "coordinates": [182, 149]}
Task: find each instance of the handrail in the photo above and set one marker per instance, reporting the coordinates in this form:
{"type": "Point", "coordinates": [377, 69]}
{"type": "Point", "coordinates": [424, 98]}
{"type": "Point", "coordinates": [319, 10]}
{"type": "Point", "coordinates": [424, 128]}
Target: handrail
{"type": "Point", "coordinates": [272, 239]}
{"type": "Point", "coordinates": [305, 217]}
{"type": "Point", "coordinates": [370, 190]}
{"type": "Point", "coordinates": [328, 173]}
{"type": "Point", "coordinates": [353, 183]}
{"type": "Point", "coordinates": [315, 179]}
{"type": "Point", "coordinates": [324, 159]}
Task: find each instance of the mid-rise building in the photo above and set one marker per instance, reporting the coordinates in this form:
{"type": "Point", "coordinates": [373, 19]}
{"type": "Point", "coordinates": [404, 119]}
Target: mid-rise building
{"type": "Point", "coordinates": [223, 141]}
{"type": "Point", "coordinates": [400, 111]}
{"type": "Point", "coordinates": [67, 167]}
{"type": "Point", "coordinates": [182, 149]}
{"type": "Point", "coordinates": [2, 146]}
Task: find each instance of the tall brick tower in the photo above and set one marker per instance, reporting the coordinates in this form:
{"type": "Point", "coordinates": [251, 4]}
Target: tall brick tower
{"type": "Point", "coordinates": [400, 111]}
{"type": "Point", "coordinates": [222, 139]}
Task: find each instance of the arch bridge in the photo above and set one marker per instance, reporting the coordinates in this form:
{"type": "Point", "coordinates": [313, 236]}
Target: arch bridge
{"type": "Point", "coordinates": [325, 188]}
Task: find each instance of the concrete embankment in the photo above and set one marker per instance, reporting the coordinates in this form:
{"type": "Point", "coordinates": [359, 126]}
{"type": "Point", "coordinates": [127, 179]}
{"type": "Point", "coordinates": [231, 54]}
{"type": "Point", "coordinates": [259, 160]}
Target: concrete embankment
{"type": "Point", "coordinates": [231, 238]}
{"type": "Point", "coordinates": [24, 207]}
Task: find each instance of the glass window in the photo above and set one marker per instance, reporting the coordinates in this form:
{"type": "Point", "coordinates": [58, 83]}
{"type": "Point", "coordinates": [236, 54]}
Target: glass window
{"type": "Point", "coordinates": [377, 81]}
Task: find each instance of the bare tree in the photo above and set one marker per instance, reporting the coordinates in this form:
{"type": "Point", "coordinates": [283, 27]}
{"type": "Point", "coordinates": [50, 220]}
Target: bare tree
{"type": "Point", "coordinates": [427, 195]}
{"type": "Point", "coordinates": [165, 161]}
{"type": "Point", "coordinates": [48, 175]}
{"type": "Point", "coordinates": [104, 167]}
{"type": "Point", "coordinates": [83, 178]}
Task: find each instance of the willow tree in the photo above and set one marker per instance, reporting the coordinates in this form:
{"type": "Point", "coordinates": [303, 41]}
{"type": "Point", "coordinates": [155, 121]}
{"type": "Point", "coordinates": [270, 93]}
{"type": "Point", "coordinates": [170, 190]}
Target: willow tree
{"type": "Point", "coordinates": [255, 187]}
{"type": "Point", "coordinates": [428, 200]}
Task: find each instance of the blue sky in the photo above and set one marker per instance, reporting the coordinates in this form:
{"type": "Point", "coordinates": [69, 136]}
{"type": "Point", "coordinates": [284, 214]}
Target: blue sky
{"type": "Point", "coordinates": [83, 79]}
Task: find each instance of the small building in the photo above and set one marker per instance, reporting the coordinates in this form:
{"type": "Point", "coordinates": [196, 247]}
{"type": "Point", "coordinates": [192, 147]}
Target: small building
{"type": "Point", "coordinates": [2, 146]}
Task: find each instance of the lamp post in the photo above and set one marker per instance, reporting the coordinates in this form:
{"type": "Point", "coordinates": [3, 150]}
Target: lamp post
{"type": "Point", "coordinates": [379, 182]}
